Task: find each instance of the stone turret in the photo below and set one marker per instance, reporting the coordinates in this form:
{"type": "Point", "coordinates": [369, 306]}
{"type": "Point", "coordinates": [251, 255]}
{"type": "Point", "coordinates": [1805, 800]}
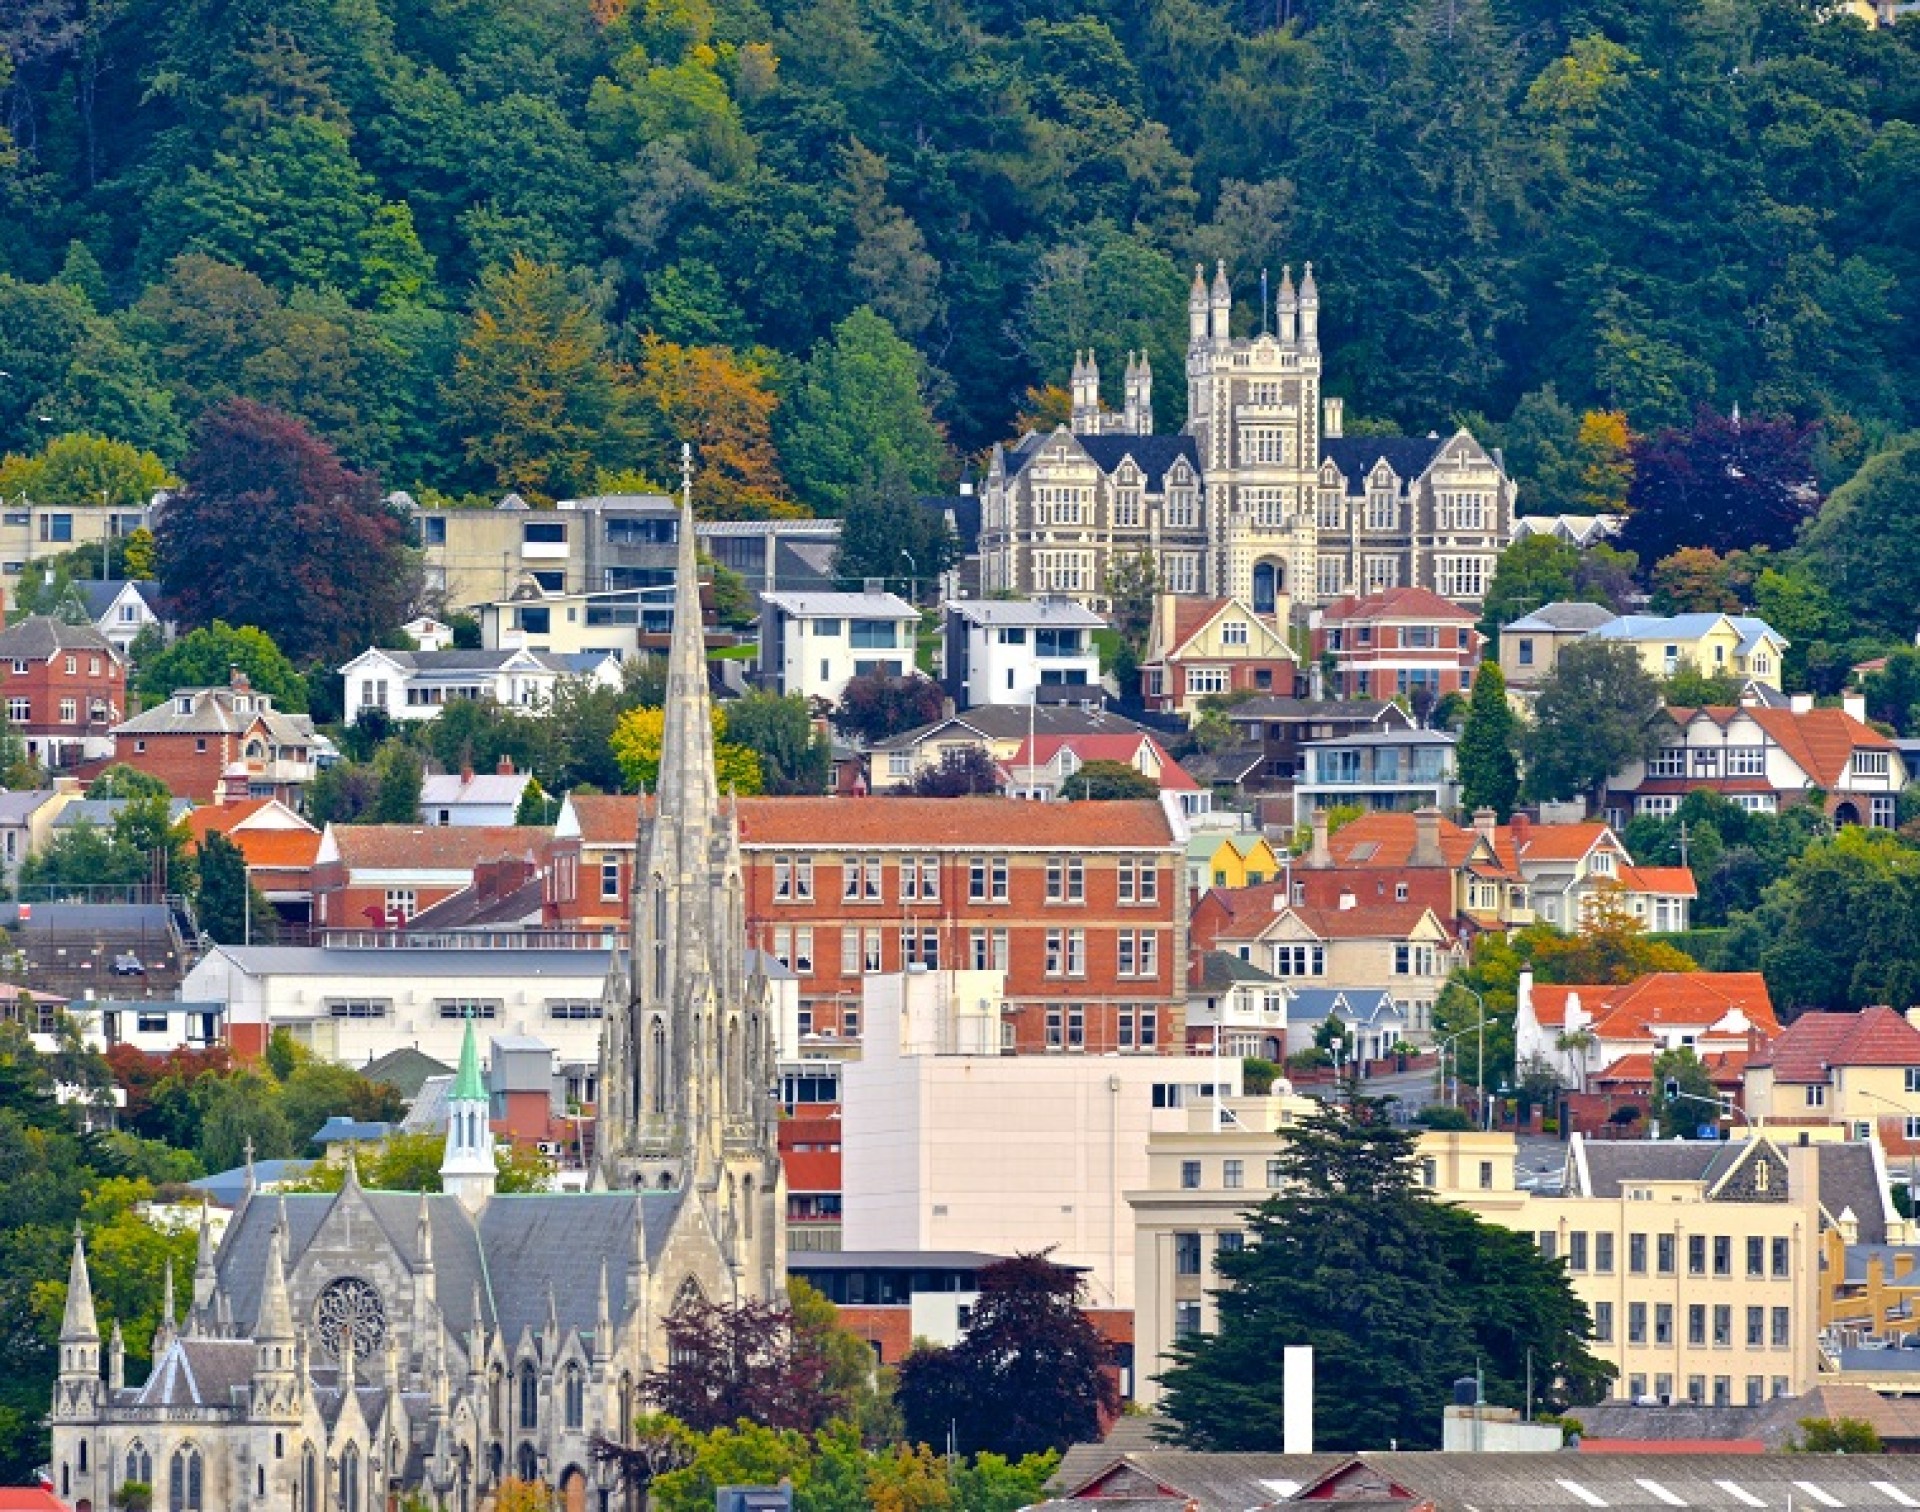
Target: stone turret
{"type": "Point", "coordinates": [79, 1329]}
{"type": "Point", "coordinates": [1086, 395]}
{"type": "Point", "coordinates": [1139, 408]}
{"type": "Point", "coordinates": [1309, 310]}
{"type": "Point", "coordinates": [1197, 309]}
{"type": "Point", "coordinates": [1287, 309]}
{"type": "Point", "coordinates": [1220, 306]}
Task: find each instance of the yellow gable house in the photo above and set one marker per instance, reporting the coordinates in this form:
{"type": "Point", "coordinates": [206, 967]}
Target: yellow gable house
{"type": "Point", "coordinates": [1216, 860]}
{"type": "Point", "coordinates": [1733, 645]}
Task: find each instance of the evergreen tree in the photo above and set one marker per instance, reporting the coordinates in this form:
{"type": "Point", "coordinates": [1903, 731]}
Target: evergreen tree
{"type": "Point", "coordinates": [1597, 712]}
{"type": "Point", "coordinates": [859, 410]}
{"type": "Point", "coordinates": [887, 533]}
{"type": "Point", "coordinates": [231, 909]}
{"type": "Point", "coordinates": [1394, 1293]}
{"type": "Point", "coordinates": [1489, 770]}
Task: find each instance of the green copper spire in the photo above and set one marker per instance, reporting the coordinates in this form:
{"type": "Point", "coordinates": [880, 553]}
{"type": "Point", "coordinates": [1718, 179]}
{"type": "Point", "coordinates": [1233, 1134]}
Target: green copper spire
{"type": "Point", "coordinates": [467, 1086]}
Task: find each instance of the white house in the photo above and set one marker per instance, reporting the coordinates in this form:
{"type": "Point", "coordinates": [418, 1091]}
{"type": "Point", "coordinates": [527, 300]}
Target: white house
{"type": "Point", "coordinates": [467, 798]}
{"type": "Point", "coordinates": [1006, 651]}
{"type": "Point", "coordinates": [428, 633]}
{"type": "Point", "coordinates": [121, 609]}
{"type": "Point", "coordinates": [419, 684]}
{"type": "Point", "coordinates": [813, 644]}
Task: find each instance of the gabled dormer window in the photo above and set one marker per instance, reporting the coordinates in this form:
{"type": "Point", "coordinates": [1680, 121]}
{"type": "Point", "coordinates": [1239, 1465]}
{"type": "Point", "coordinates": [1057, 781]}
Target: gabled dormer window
{"type": "Point", "coordinates": [183, 706]}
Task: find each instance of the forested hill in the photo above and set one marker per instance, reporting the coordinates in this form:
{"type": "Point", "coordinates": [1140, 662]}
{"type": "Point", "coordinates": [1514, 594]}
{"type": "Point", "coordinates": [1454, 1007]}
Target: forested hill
{"type": "Point", "coordinates": [489, 243]}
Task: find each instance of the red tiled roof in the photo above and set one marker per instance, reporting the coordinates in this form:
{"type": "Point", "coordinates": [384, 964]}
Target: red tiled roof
{"type": "Point", "coordinates": [222, 817]}
{"type": "Point", "coordinates": [1812, 1043]}
{"type": "Point", "coordinates": [1140, 823]}
{"type": "Point", "coordinates": [1664, 999]}
{"type": "Point", "coordinates": [1556, 842]}
{"type": "Point", "coordinates": [443, 847]}
{"type": "Point", "coordinates": [1387, 840]}
{"type": "Point", "coordinates": [1397, 604]}
{"type": "Point", "coordinates": [278, 850]}
{"type": "Point", "coordinates": [29, 1499]}
{"type": "Point", "coordinates": [1190, 616]}
{"type": "Point", "coordinates": [1725, 1068]}
{"type": "Point", "coordinates": [1121, 748]}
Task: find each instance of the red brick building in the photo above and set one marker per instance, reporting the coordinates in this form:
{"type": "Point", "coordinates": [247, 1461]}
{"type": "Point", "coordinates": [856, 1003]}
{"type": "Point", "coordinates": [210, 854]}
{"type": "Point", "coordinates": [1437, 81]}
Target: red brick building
{"type": "Point", "coordinates": [65, 686]}
{"type": "Point", "coordinates": [378, 876]}
{"type": "Point", "coordinates": [1078, 903]}
{"type": "Point", "coordinates": [1213, 647]}
{"type": "Point", "coordinates": [279, 847]}
{"type": "Point", "coordinates": [1398, 641]}
{"type": "Point", "coordinates": [221, 745]}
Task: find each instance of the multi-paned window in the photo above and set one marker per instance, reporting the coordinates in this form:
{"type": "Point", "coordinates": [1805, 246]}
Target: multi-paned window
{"type": "Point", "coordinates": [919, 879]}
{"type": "Point", "coordinates": [860, 879]}
{"type": "Point", "coordinates": [1462, 577]}
{"type": "Point", "coordinates": [793, 879]}
{"type": "Point", "coordinates": [987, 879]}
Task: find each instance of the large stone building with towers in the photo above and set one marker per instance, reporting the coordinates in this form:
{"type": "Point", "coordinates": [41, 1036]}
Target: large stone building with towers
{"type": "Point", "coordinates": [343, 1348]}
{"type": "Point", "coordinates": [1260, 496]}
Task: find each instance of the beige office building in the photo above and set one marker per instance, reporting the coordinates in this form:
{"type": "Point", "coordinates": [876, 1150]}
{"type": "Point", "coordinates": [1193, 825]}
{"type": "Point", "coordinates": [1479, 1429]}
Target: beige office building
{"type": "Point", "coordinates": [1700, 1263]}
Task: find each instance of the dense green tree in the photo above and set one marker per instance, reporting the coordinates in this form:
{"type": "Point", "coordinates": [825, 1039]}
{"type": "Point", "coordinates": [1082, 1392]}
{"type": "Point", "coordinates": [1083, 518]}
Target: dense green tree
{"type": "Point", "coordinates": [1397, 1295]}
{"type": "Point", "coordinates": [795, 757]}
{"type": "Point", "coordinates": [1693, 1103]}
{"type": "Point", "coordinates": [83, 469]}
{"type": "Point", "coordinates": [1100, 781]}
{"type": "Point", "coordinates": [1489, 765]}
{"type": "Point", "coordinates": [1861, 548]}
{"type": "Point", "coordinates": [272, 530]}
{"type": "Point", "coordinates": [1597, 712]}
{"type": "Point", "coordinates": [231, 910]}
{"type": "Point", "coordinates": [887, 533]}
{"type": "Point", "coordinates": [207, 658]}
{"type": "Point", "coordinates": [859, 411]}
{"type": "Point", "coordinates": [396, 795]}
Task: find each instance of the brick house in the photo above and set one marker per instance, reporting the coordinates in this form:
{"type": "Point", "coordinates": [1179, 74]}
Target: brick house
{"type": "Point", "coordinates": [224, 745]}
{"type": "Point", "coordinates": [378, 876]}
{"type": "Point", "coordinates": [1201, 647]}
{"type": "Point", "coordinates": [1398, 641]}
{"type": "Point", "coordinates": [65, 686]}
{"type": "Point", "coordinates": [1081, 904]}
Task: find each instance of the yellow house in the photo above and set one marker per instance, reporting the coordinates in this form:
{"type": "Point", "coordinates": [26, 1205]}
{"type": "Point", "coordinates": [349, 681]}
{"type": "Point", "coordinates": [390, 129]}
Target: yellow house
{"type": "Point", "coordinates": [1235, 860]}
{"type": "Point", "coordinates": [1858, 1071]}
{"type": "Point", "coordinates": [1733, 645]}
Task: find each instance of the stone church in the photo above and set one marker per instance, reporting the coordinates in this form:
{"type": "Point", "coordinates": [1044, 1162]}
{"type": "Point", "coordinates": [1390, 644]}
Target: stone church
{"type": "Point", "coordinates": [342, 1349]}
{"type": "Point", "coordinates": [1260, 496]}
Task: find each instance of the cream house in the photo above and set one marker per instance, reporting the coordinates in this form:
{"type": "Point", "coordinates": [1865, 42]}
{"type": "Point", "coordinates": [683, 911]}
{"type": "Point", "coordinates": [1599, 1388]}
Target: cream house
{"type": "Point", "coordinates": [1404, 948]}
{"type": "Point", "coordinates": [1860, 1070]}
{"type": "Point", "coordinates": [1698, 1263]}
{"type": "Point", "coordinates": [1201, 647]}
{"type": "Point", "coordinates": [1736, 645]}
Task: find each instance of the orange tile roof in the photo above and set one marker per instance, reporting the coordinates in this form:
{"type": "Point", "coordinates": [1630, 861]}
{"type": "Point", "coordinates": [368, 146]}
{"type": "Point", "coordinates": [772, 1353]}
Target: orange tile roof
{"type": "Point", "coordinates": [1667, 881]}
{"type": "Point", "coordinates": [219, 818]}
{"type": "Point", "coordinates": [1386, 840]}
{"type": "Point", "coordinates": [1395, 604]}
{"type": "Point", "coordinates": [1555, 842]}
{"type": "Point", "coordinates": [1190, 616]}
{"type": "Point", "coordinates": [379, 846]}
{"type": "Point", "coordinates": [899, 822]}
{"type": "Point", "coordinates": [1821, 742]}
{"type": "Point", "coordinates": [1664, 999]}
{"type": "Point", "coordinates": [280, 850]}
{"type": "Point", "coordinates": [1812, 1043]}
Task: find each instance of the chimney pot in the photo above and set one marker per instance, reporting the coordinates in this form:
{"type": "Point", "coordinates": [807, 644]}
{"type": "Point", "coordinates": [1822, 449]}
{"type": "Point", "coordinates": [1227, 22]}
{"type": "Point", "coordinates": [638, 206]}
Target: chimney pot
{"type": "Point", "coordinates": [1485, 821]}
{"type": "Point", "coordinates": [1426, 839]}
{"type": "Point", "coordinates": [1855, 706]}
{"type": "Point", "coordinates": [1319, 854]}
{"type": "Point", "coordinates": [505, 768]}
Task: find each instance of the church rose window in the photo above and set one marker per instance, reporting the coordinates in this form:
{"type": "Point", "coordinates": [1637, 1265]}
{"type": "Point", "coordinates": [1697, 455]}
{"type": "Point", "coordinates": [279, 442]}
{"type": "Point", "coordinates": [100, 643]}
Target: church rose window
{"type": "Point", "coordinates": [350, 1303]}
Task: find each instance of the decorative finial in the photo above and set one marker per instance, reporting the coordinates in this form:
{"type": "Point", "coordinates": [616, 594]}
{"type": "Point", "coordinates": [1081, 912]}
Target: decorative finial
{"type": "Point", "coordinates": [686, 474]}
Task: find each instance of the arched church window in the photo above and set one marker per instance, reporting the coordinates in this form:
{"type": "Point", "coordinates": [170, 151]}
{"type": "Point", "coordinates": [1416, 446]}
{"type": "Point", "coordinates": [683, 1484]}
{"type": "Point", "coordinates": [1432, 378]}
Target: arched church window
{"type": "Point", "coordinates": [576, 1397]}
{"type": "Point", "coordinates": [350, 1306]}
{"type": "Point", "coordinates": [529, 1397]}
{"type": "Point", "coordinates": [139, 1463]}
{"type": "Point", "coordinates": [83, 1456]}
{"type": "Point", "coordinates": [309, 1500]}
{"type": "Point", "coordinates": [746, 1207]}
{"type": "Point", "coordinates": [184, 1479]}
{"type": "Point", "coordinates": [734, 1077]}
{"type": "Point", "coordinates": [350, 1479]}
{"type": "Point", "coordinates": [529, 1465]}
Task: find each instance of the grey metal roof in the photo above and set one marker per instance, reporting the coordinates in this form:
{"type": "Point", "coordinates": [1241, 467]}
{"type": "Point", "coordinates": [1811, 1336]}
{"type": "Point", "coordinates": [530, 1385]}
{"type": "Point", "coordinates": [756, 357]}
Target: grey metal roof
{"type": "Point", "coordinates": [340, 1129]}
{"type": "Point", "coordinates": [449, 961]}
{"type": "Point", "coordinates": [15, 808]}
{"type": "Point", "coordinates": [1009, 722]}
{"type": "Point", "coordinates": [776, 528]}
{"type": "Point", "coordinates": [1041, 611]}
{"type": "Point", "coordinates": [842, 605]}
{"type": "Point", "coordinates": [1282, 709]}
{"type": "Point", "coordinates": [1235, 764]}
{"type": "Point", "coordinates": [1386, 737]}
{"type": "Point", "coordinates": [405, 1070]}
{"type": "Point", "coordinates": [1610, 1162]}
{"type": "Point", "coordinates": [211, 711]}
{"type": "Point", "coordinates": [1564, 616]}
{"type": "Point", "coordinates": [226, 1188]}
{"type": "Point", "coordinates": [199, 1373]}
{"type": "Point", "coordinates": [101, 812]}
{"type": "Point", "coordinates": [1357, 1005]}
{"type": "Point", "coordinates": [81, 918]}
{"type": "Point", "coordinates": [1221, 969]}
{"type": "Point", "coordinates": [429, 1111]}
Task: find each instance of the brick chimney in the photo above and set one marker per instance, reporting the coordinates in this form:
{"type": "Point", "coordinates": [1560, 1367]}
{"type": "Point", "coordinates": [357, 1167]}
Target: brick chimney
{"type": "Point", "coordinates": [1426, 839]}
{"type": "Point", "coordinates": [1522, 828]}
{"type": "Point", "coordinates": [505, 768]}
{"type": "Point", "coordinates": [238, 680]}
{"type": "Point", "coordinates": [1485, 822]}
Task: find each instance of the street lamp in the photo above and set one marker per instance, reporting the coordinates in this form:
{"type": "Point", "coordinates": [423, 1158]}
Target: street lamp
{"type": "Point", "coordinates": [913, 575]}
{"type": "Point", "coordinates": [1720, 1104]}
{"type": "Point", "coordinates": [1480, 1054]}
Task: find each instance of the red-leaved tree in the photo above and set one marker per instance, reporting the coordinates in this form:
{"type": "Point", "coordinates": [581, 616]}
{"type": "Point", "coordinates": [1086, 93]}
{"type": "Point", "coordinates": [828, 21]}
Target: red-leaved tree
{"type": "Point", "coordinates": [729, 1363]}
{"type": "Point", "coordinates": [272, 529]}
{"type": "Point", "coordinates": [1726, 484]}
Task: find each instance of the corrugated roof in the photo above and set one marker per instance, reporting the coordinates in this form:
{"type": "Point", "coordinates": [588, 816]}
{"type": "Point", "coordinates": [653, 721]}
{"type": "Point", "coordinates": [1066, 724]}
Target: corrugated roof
{"type": "Point", "coordinates": [1563, 616]}
{"type": "Point", "coordinates": [1041, 611]}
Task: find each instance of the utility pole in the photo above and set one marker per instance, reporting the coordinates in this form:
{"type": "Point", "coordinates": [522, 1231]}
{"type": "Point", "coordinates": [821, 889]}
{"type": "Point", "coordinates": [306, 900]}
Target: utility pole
{"type": "Point", "coordinates": [1683, 842]}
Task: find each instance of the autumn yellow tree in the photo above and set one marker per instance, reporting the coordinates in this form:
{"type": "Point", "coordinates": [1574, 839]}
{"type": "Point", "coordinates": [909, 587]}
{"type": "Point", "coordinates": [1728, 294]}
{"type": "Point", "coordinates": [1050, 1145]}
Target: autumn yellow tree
{"type": "Point", "coordinates": [1048, 407]}
{"type": "Point", "coordinates": [721, 402]}
{"type": "Point", "coordinates": [541, 405]}
{"type": "Point", "coordinates": [636, 746]}
{"type": "Point", "coordinates": [1607, 465]}
{"type": "Point", "coordinates": [1611, 946]}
